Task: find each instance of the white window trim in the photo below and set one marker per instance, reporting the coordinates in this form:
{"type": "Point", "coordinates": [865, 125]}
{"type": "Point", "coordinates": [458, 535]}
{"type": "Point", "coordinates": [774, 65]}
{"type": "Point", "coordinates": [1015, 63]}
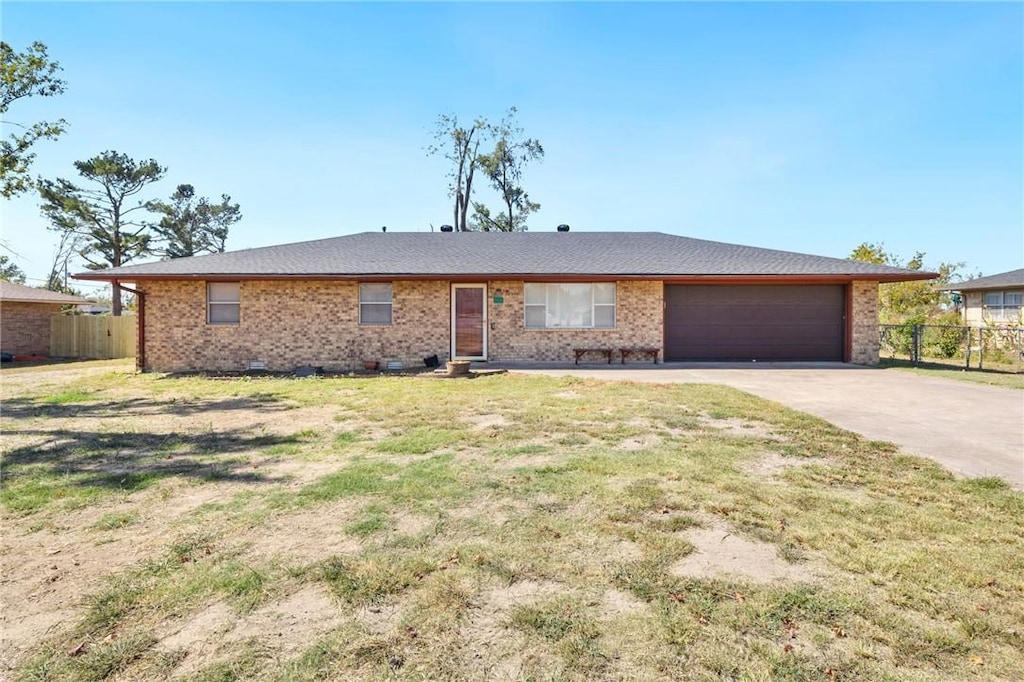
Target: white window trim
{"type": "Point", "coordinates": [593, 307]}
{"type": "Point", "coordinates": [390, 304]}
{"type": "Point", "coordinates": [236, 303]}
{"type": "Point", "coordinates": [1002, 310]}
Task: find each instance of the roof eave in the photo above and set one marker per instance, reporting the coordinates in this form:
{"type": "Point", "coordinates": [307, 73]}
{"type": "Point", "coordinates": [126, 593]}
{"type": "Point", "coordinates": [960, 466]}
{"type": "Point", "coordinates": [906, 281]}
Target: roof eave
{"type": "Point", "coordinates": [559, 276]}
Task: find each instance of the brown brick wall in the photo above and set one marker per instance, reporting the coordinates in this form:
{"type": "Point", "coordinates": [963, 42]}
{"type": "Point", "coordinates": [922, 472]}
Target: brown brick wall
{"type": "Point", "coordinates": [25, 327]}
{"type": "Point", "coordinates": [289, 324]}
{"type": "Point", "coordinates": [638, 322]}
{"type": "Point", "coordinates": [304, 322]}
{"type": "Point", "coordinates": [864, 350]}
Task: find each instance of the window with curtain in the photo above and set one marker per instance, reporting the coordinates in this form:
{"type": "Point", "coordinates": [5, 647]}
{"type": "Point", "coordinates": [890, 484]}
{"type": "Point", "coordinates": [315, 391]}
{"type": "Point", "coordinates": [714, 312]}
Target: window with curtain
{"type": "Point", "coordinates": [375, 303]}
{"type": "Point", "coordinates": [223, 302]}
{"type": "Point", "coordinates": [1002, 305]}
{"type": "Point", "coordinates": [570, 306]}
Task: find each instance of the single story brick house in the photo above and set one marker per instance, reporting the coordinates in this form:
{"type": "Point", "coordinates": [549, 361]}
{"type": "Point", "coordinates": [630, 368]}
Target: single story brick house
{"type": "Point", "coordinates": [25, 317]}
{"type": "Point", "coordinates": [994, 300]}
{"type": "Point", "coordinates": [501, 297]}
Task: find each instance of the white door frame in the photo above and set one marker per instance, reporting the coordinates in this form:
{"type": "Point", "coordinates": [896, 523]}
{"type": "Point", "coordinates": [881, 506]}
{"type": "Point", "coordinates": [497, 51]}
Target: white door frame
{"type": "Point", "coordinates": [483, 288]}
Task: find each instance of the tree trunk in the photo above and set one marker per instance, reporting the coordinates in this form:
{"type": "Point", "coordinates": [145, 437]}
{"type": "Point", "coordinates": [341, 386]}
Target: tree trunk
{"type": "Point", "coordinates": [115, 298]}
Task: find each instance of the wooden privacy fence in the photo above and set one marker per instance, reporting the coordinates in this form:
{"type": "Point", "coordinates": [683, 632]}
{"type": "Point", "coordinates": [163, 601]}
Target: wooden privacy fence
{"type": "Point", "coordinates": [92, 336]}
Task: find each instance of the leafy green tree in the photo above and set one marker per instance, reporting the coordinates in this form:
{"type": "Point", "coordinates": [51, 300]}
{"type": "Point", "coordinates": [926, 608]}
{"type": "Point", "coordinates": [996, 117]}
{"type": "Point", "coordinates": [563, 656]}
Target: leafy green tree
{"type": "Point", "coordinates": [9, 270]}
{"type": "Point", "coordinates": [461, 146]}
{"type": "Point", "coordinates": [190, 226]}
{"type": "Point", "coordinates": [26, 74]}
{"type": "Point", "coordinates": [101, 215]}
{"type": "Point", "coordinates": [913, 302]}
{"type": "Point", "coordinates": [503, 167]}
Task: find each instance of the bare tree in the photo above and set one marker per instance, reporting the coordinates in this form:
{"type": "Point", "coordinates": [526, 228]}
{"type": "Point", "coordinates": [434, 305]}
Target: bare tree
{"type": "Point", "coordinates": [461, 146]}
{"type": "Point", "coordinates": [504, 166]}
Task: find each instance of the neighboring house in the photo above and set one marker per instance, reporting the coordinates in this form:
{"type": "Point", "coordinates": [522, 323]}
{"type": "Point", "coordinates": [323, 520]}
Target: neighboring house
{"type": "Point", "coordinates": [25, 317]}
{"type": "Point", "coordinates": [996, 300]}
{"type": "Point", "coordinates": [504, 297]}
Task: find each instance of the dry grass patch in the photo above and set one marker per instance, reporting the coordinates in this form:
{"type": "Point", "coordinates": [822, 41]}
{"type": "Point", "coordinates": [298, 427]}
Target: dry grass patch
{"type": "Point", "coordinates": [378, 528]}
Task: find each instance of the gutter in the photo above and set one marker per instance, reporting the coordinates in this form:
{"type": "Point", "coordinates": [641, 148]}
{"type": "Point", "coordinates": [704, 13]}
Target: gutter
{"type": "Point", "coordinates": [140, 353]}
{"type": "Point", "coordinates": [838, 278]}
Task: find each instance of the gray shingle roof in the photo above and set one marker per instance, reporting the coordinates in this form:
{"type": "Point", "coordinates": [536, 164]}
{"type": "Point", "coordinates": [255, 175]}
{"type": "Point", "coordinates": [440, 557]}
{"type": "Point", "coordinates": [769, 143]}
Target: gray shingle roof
{"type": "Point", "coordinates": [9, 291]}
{"type": "Point", "coordinates": [425, 254]}
{"type": "Point", "coordinates": [1013, 278]}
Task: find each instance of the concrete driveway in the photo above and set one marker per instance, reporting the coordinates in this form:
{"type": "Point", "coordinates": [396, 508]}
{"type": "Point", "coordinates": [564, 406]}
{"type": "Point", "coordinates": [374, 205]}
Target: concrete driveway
{"type": "Point", "coordinates": [973, 429]}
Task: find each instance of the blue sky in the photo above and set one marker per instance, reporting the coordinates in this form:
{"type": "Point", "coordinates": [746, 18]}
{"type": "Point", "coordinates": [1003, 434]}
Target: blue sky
{"type": "Point", "coordinates": [801, 126]}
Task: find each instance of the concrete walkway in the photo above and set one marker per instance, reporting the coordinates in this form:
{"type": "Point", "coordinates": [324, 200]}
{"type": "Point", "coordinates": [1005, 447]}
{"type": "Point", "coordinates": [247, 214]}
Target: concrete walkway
{"type": "Point", "coordinates": [972, 429]}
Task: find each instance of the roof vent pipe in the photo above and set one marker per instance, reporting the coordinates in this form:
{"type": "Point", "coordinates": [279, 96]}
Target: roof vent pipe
{"type": "Point", "coordinates": [447, 228]}
{"type": "Point", "coordinates": [563, 228]}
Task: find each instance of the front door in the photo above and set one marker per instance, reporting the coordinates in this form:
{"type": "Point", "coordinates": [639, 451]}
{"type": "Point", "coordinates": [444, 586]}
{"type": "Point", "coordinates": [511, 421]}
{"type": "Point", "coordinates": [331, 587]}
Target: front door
{"type": "Point", "coordinates": [469, 321]}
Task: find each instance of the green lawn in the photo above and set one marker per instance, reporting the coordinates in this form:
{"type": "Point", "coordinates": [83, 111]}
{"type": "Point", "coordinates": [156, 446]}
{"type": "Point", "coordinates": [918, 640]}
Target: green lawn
{"type": "Point", "coordinates": [504, 527]}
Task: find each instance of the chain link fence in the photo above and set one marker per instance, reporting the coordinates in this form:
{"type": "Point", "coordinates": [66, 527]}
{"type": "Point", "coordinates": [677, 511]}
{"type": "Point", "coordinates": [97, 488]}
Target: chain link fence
{"type": "Point", "coordinates": [963, 347]}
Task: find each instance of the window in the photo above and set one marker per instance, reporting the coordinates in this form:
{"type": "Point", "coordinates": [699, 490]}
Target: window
{"type": "Point", "coordinates": [1002, 305]}
{"type": "Point", "coordinates": [222, 302]}
{"type": "Point", "coordinates": [570, 306]}
{"type": "Point", "coordinates": [375, 303]}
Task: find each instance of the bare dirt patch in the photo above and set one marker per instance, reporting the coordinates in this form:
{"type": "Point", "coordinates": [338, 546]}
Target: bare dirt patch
{"type": "Point", "coordinates": [46, 572]}
{"type": "Point", "coordinates": [740, 427]}
{"type": "Point", "coordinates": [483, 422]}
{"type": "Point", "coordinates": [497, 650]}
{"type": "Point", "coordinates": [567, 395]}
{"type": "Point", "coordinates": [624, 550]}
{"type": "Point", "coordinates": [639, 443]}
{"type": "Point", "coordinates": [616, 603]}
{"type": "Point", "coordinates": [305, 537]}
{"type": "Point", "coordinates": [285, 625]}
{"type": "Point", "coordinates": [773, 463]}
{"type": "Point", "coordinates": [411, 524]}
{"type": "Point", "coordinates": [720, 552]}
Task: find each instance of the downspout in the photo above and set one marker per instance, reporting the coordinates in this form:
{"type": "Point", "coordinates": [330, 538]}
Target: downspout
{"type": "Point", "coordinates": [140, 354]}
{"type": "Point", "coordinates": [848, 313]}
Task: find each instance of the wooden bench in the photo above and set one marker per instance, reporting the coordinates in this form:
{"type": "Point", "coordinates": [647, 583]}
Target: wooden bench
{"type": "Point", "coordinates": [647, 352]}
{"type": "Point", "coordinates": [580, 352]}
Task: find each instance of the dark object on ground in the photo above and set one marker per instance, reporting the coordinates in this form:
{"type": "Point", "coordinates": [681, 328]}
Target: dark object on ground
{"type": "Point", "coordinates": [309, 371]}
{"type": "Point", "coordinates": [431, 361]}
{"type": "Point", "coordinates": [7, 357]}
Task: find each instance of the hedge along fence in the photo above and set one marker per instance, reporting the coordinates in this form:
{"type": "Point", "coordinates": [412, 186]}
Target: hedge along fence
{"type": "Point", "coordinates": [962, 346]}
{"type": "Point", "coordinates": [98, 337]}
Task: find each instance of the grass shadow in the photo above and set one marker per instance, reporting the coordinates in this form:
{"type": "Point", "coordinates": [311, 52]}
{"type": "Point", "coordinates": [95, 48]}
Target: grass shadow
{"type": "Point", "coordinates": [75, 404]}
{"type": "Point", "coordinates": [62, 463]}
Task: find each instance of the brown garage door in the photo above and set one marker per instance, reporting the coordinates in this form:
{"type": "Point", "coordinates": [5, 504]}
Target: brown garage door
{"type": "Point", "coordinates": [748, 322]}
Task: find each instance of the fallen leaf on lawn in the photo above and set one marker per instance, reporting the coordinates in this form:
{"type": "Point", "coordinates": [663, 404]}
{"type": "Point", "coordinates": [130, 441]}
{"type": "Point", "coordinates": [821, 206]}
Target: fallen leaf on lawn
{"type": "Point", "coordinates": [790, 629]}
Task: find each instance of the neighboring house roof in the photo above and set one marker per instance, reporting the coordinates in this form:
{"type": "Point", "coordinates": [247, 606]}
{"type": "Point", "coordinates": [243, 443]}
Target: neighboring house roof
{"type": "Point", "coordinates": [9, 291]}
{"type": "Point", "coordinates": [1013, 278]}
{"type": "Point", "coordinates": [499, 254]}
